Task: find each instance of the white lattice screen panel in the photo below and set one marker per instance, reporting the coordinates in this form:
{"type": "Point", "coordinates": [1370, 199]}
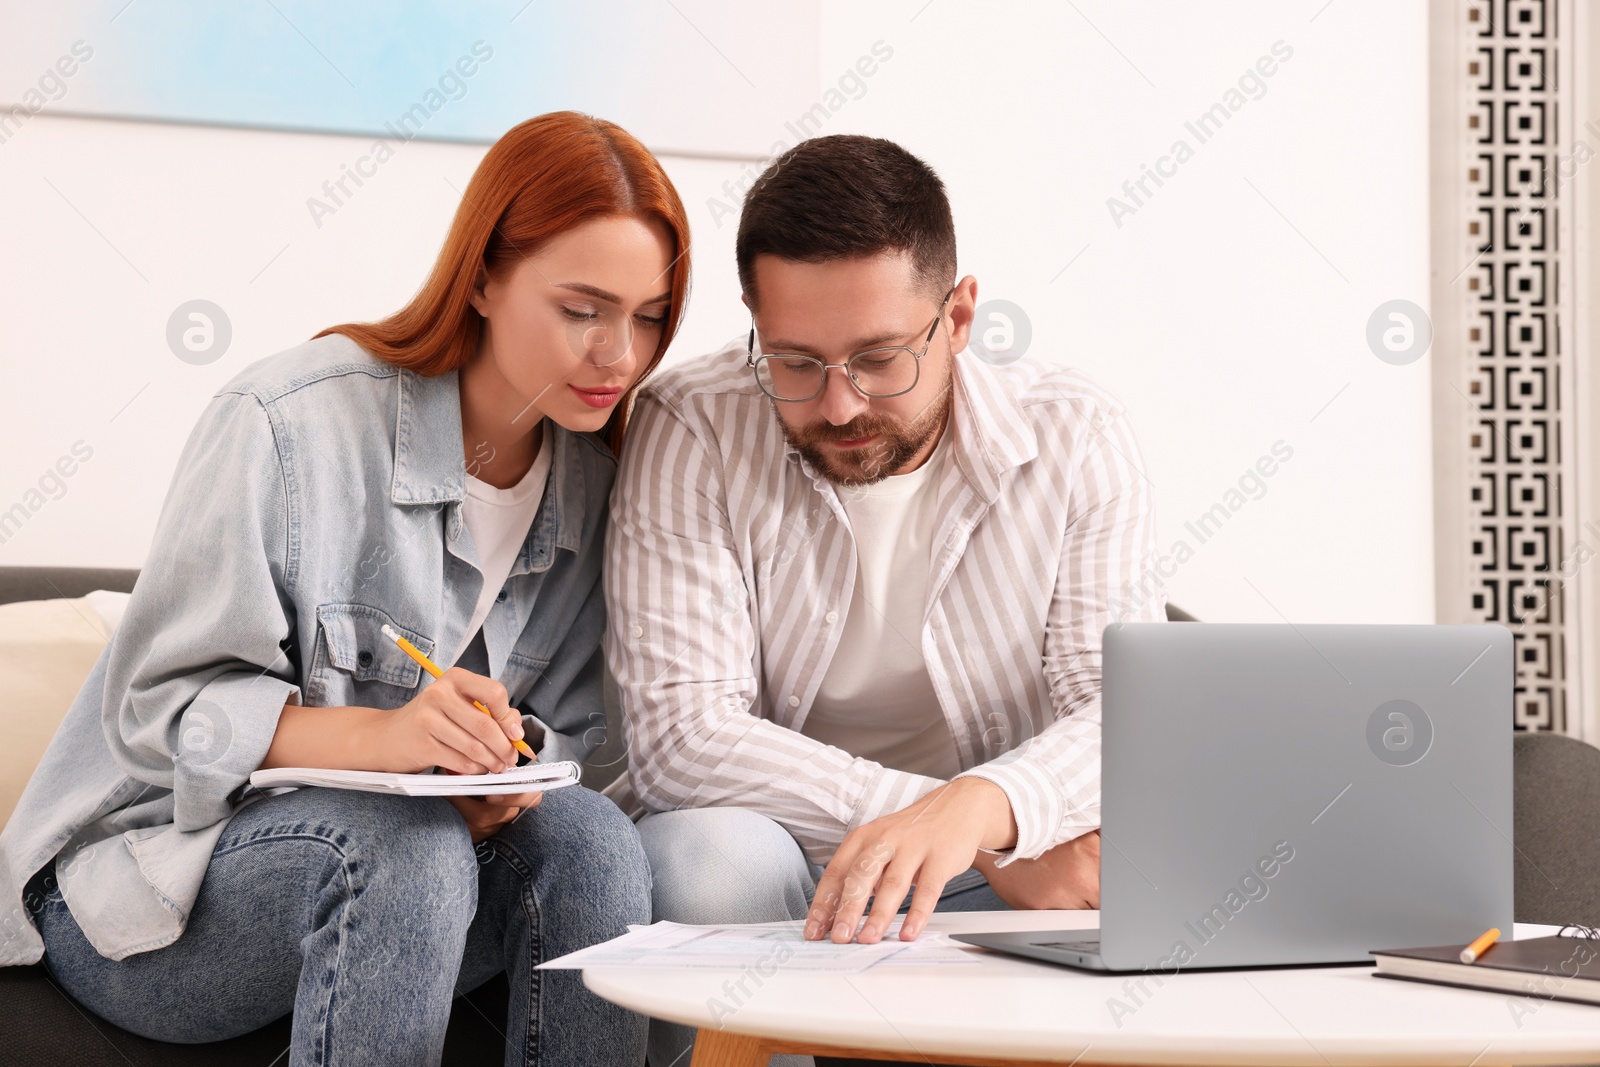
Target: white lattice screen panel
{"type": "Point", "coordinates": [1516, 74]}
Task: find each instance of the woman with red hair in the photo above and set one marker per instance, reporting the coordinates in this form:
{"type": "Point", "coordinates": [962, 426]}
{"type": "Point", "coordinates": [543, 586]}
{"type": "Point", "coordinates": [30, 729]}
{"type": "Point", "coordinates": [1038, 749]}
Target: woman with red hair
{"type": "Point", "coordinates": [442, 474]}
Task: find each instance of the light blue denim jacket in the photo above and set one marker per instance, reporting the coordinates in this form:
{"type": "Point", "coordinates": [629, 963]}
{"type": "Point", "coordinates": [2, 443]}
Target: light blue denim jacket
{"type": "Point", "coordinates": [318, 498]}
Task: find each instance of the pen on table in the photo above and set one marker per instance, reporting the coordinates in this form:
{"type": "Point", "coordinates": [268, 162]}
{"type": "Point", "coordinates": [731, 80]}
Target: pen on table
{"type": "Point", "coordinates": [428, 665]}
{"type": "Point", "coordinates": [1471, 953]}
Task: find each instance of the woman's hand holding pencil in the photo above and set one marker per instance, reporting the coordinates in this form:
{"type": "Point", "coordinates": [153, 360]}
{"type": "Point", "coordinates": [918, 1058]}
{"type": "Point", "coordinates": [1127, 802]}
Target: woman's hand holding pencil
{"type": "Point", "coordinates": [463, 722]}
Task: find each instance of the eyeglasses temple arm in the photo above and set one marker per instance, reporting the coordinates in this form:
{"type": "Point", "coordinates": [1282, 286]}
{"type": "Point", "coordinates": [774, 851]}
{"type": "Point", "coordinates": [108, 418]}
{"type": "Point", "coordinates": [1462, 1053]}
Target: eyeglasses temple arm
{"type": "Point", "coordinates": [928, 340]}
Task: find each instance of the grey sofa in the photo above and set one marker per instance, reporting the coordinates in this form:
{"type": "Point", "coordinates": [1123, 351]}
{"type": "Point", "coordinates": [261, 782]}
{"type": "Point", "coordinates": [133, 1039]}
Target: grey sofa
{"type": "Point", "coordinates": [1557, 829]}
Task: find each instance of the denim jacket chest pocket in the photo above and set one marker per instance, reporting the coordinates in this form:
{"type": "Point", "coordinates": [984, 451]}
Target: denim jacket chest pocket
{"type": "Point", "coordinates": [522, 675]}
{"type": "Point", "coordinates": [354, 663]}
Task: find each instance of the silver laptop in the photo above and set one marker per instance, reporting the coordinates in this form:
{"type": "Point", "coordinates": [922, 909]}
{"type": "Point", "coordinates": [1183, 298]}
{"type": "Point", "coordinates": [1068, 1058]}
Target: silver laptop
{"type": "Point", "coordinates": [1276, 795]}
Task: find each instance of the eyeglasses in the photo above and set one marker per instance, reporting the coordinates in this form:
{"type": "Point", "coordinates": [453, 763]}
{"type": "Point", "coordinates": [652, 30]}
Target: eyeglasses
{"type": "Point", "coordinates": [875, 373]}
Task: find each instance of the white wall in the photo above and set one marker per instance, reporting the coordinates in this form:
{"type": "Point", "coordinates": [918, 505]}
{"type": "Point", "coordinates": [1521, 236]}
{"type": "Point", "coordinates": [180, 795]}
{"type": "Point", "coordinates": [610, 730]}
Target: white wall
{"type": "Point", "coordinates": [1218, 321]}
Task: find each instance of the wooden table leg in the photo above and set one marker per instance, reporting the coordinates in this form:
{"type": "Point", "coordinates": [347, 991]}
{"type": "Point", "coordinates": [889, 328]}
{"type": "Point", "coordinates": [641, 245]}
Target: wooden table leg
{"type": "Point", "coordinates": [719, 1048]}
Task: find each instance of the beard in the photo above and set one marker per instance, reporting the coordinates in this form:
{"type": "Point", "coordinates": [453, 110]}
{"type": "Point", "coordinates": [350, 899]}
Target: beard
{"type": "Point", "coordinates": [898, 441]}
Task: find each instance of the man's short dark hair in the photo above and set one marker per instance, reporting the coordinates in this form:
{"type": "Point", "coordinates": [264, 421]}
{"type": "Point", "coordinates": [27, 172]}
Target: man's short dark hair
{"type": "Point", "coordinates": [847, 196]}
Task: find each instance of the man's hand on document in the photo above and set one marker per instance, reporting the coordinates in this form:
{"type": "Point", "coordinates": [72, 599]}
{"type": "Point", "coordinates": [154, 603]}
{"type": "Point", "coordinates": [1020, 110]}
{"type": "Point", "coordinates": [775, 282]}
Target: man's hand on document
{"type": "Point", "coordinates": [923, 845]}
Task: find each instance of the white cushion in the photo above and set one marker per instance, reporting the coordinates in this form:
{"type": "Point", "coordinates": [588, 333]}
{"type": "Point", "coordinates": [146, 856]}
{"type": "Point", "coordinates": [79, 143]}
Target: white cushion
{"type": "Point", "coordinates": [109, 605]}
{"type": "Point", "coordinates": [47, 648]}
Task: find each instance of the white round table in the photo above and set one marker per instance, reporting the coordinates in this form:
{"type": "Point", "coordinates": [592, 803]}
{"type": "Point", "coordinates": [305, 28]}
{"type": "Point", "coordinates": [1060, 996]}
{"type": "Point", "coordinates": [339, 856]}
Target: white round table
{"type": "Point", "coordinates": [1002, 1010]}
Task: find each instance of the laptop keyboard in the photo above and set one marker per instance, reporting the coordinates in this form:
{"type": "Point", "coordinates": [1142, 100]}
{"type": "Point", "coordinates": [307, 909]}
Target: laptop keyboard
{"type": "Point", "coordinates": [1092, 947]}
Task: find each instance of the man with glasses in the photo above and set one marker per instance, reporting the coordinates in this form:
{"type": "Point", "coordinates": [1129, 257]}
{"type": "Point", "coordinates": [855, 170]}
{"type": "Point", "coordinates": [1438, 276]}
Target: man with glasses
{"type": "Point", "coordinates": [856, 578]}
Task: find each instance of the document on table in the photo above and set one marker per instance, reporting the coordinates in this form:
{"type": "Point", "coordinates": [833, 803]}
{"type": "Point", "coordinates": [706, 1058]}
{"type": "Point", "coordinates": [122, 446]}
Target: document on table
{"type": "Point", "coordinates": [764, 946]}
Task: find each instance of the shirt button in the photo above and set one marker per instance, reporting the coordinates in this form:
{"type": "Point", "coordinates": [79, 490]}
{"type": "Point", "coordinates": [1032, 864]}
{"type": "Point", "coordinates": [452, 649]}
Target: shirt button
{"type": "Point", "coordinates": [638, 631]}
{"type": "Point", "coordinates": [500, 597]}
{"type": "Point", "coordinates": [794, 702]}
{"type": "Point", "coordinates": [831, 617]}
{"type": "Point", "coordinates": [364, 658]}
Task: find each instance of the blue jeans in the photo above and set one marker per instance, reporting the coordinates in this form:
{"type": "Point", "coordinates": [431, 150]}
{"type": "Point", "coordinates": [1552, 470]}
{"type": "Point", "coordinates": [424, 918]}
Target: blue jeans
{"type": "Point", "coordinates": [366, 914]}
{"type": "Point", "coordinates": [734, 865]}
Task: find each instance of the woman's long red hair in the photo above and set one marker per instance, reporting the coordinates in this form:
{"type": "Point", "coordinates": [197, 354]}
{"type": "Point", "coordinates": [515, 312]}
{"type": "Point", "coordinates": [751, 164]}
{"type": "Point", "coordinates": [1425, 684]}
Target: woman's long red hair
{"type": "Point", "coordinates": [542, 178]}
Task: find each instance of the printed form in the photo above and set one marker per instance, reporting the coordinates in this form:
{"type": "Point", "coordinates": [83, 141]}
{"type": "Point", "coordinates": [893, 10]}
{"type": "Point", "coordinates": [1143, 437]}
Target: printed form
{"type": "Point", "coordinates": [736, 947]}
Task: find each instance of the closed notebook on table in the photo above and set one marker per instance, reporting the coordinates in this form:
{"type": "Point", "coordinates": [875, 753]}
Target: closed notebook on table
{"type": "Point", "coordinates": [1561, 967]}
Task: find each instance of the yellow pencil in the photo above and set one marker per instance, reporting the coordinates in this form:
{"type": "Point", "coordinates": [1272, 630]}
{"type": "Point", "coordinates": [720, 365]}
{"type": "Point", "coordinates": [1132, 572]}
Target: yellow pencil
{"type": "Point", "coordinates": [1471, 953]}
{"type": "Point", "coordinates": [428, 665]}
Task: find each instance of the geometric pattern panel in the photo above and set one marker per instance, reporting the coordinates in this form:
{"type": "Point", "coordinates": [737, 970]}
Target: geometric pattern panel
{"type": "Point", "coordinates": [1516, 230]}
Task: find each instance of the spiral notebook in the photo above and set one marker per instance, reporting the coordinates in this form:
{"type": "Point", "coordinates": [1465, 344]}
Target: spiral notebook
{"type": "Point", "coordinates": [529, 778]}
{"type": "Point", "coordinates": [1558, 968]}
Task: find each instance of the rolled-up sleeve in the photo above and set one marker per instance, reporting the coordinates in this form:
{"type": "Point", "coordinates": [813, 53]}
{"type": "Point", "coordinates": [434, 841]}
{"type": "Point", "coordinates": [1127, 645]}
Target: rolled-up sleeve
{"type": "Point", "coordinates": [204, 660]}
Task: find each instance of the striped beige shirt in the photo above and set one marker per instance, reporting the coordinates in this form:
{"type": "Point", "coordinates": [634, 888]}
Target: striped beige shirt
{"type": "Point", "coordinates": [729, 572]}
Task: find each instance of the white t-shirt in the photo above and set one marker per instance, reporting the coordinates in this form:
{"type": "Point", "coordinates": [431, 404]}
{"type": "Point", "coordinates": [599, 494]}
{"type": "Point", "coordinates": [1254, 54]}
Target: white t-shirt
{"type": "Point", "coordinates": [499, 520]}
{"type": "Point", "coordinates": [876, 700]}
